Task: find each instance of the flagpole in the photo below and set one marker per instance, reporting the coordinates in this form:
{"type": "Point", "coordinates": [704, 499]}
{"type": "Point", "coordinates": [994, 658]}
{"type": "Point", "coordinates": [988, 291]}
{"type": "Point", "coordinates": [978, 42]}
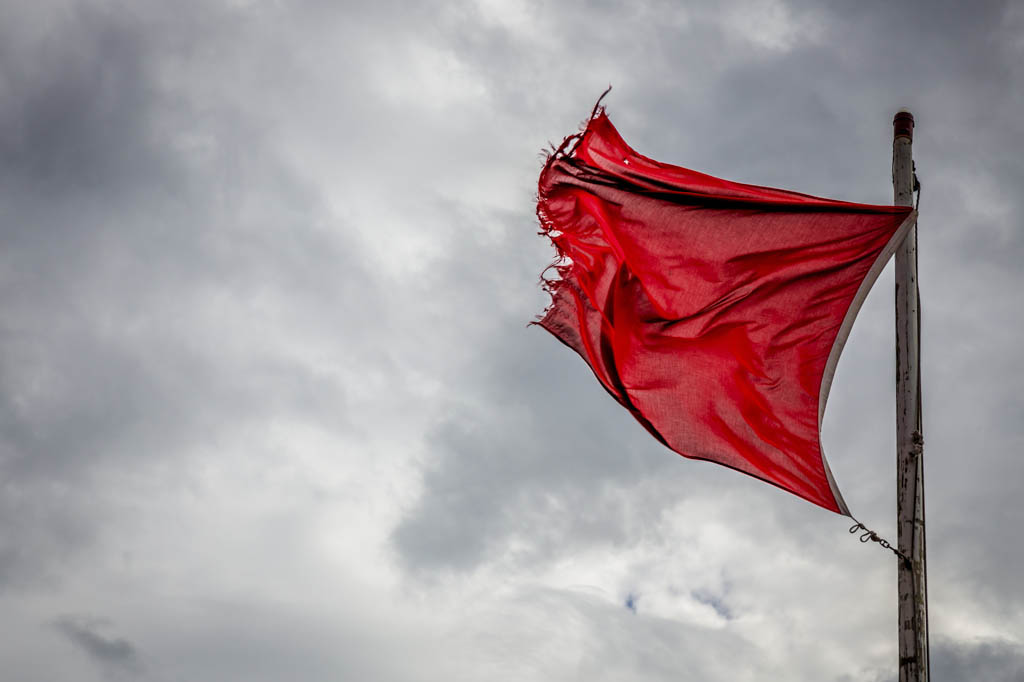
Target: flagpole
{"type": "Point", "coordinates": [913, 593]}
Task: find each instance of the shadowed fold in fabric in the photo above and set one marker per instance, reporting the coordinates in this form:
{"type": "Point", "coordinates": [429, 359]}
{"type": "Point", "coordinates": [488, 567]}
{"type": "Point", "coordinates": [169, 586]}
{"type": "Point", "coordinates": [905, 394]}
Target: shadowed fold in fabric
{"type": "Point", "coordinates": [713, 311]}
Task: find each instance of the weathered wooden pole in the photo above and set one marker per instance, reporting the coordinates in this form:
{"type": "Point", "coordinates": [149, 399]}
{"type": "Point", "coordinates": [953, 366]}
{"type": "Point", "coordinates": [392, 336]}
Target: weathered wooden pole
{"type": "Point", "coordinates": [913, 589]}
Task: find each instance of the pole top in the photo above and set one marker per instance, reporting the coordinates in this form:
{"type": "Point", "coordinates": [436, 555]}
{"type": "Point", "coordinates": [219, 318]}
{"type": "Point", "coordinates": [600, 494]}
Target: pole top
{"type": "Point", "coordinates": [903, 125]}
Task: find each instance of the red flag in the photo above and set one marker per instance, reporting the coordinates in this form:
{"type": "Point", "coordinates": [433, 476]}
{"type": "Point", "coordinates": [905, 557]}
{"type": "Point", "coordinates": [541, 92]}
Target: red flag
{"type": "Point", "coordinates": [713, 311]}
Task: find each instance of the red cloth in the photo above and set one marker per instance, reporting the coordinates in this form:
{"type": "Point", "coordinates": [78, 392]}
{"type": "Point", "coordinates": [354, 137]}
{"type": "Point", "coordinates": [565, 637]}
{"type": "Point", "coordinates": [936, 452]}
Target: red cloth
{"type": "Point", "coordinates": [713, 311]}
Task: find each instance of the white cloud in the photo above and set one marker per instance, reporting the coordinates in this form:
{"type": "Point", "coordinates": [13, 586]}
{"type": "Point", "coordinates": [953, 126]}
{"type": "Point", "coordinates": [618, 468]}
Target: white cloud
{"type": "Point", "coordinates": [270, 408]}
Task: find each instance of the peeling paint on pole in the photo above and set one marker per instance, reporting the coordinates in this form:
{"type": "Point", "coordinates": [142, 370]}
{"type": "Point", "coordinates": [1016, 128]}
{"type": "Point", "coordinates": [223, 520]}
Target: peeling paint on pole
{"type": "Point", "coordinates": [913, 592]}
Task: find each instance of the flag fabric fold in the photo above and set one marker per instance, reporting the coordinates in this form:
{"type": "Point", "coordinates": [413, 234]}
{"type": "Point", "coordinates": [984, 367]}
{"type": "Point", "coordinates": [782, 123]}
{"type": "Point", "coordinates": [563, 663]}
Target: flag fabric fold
{"type": "Point", "coordinates": [713, 311]}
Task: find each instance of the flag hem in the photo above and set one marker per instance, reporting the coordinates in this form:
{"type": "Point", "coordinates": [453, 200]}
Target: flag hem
{"type": "Point", "coordinates": [844, 332]}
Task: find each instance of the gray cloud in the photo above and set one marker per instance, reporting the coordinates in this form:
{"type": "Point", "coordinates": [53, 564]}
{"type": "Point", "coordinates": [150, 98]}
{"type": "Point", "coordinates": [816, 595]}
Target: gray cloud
{"type": "Point", "coordinates": [138, 248]}
{"type": "Point", "coordinates": [113, 654]}
{"type": "Point", "coordinates": [992, 660]}
{"type": "Point", "coordinates": [717, 602]}
{"type": "Point", "coordinates": [264, 367]}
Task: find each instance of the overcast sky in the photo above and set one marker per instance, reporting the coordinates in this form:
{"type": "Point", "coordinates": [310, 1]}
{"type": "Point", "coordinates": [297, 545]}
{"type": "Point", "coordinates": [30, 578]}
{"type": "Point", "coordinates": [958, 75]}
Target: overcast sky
{"type": "Point", "coordinates": [270, 410]}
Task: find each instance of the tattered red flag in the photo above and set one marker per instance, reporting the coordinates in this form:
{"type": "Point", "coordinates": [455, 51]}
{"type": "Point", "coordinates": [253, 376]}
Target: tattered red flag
{"type": "Point", "coordinates": [714, 311]}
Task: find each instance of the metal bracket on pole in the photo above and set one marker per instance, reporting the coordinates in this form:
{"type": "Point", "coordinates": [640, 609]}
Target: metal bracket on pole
{"type": "Point", "coordinates": [913, 591]}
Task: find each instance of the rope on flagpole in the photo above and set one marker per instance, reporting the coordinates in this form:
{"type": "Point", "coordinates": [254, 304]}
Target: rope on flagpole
{"type": "Point", "coordinates": [868, 535]}
{"type": "Point", "coordinates": [917, 186]}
